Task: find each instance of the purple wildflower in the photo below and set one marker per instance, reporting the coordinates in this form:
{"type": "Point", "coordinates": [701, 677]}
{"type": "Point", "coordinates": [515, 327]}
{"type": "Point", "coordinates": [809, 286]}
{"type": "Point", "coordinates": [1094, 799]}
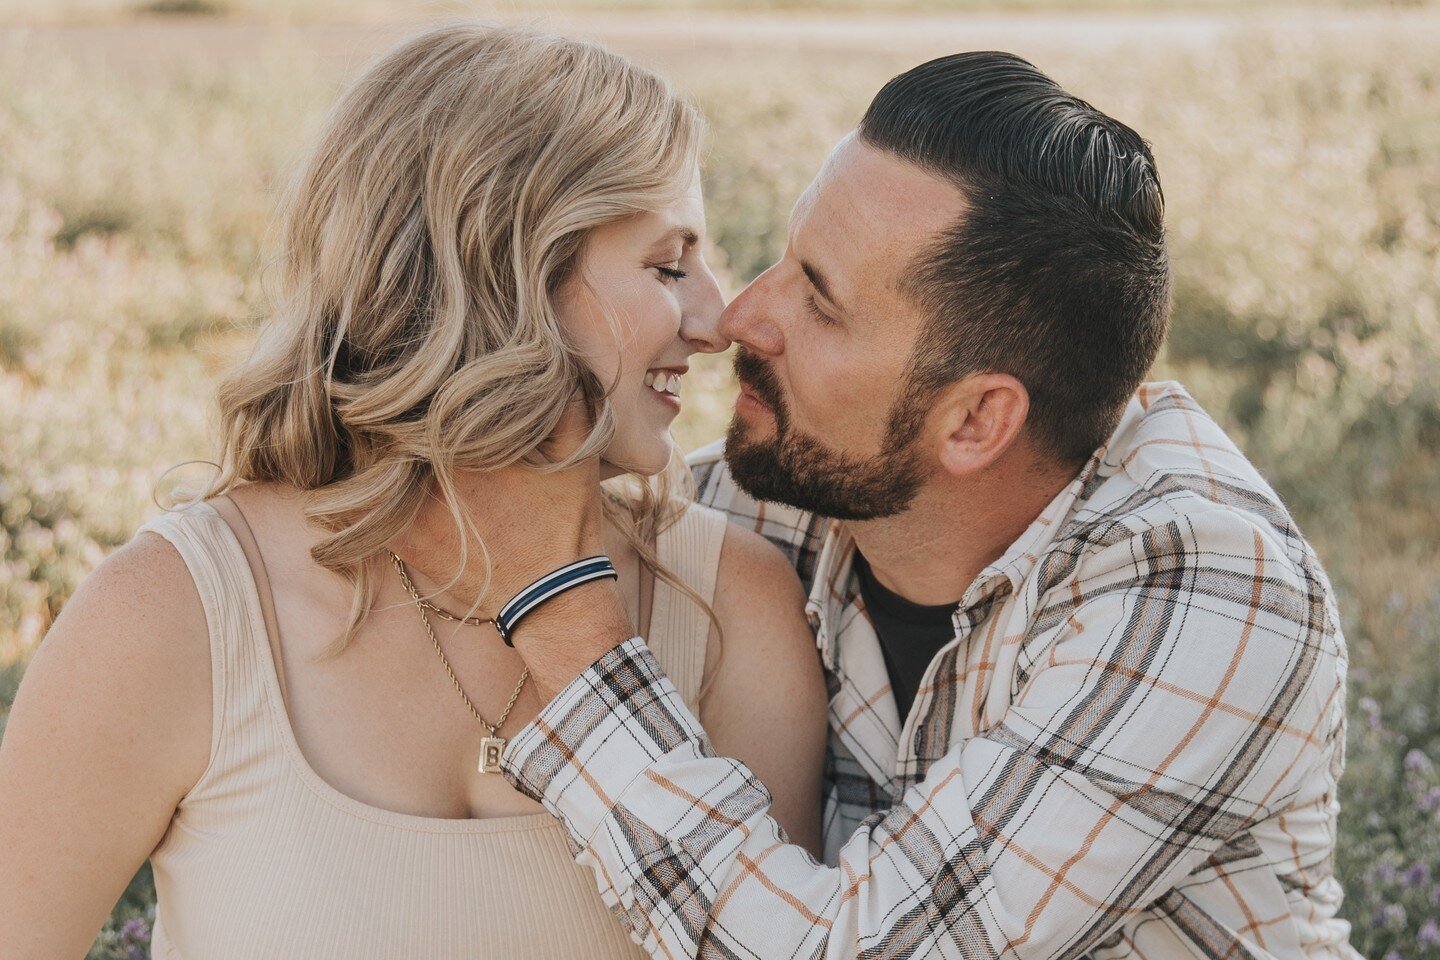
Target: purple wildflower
{"type": "Point", "coordinates": [1395, 916]}
{"type": "Point", "coordinates": [1429, 934]}
{"type": "Point", "coordinates": [1418, 875]}
{"type": "Point", "coordinates": [1430, 802]}
{"type": "Point", "coordinates": [135, 929]}
{"type": "Point", "coordinates": [1371, 709]}
{"type": "Point", "coordinates": [1387, 873]}
{"type": "Point", "coordinates": [1393, 955]}
{"type": "Point", "coordinates": [1417, 762]}
{"type": "Point", "coordinates": [135, 938]}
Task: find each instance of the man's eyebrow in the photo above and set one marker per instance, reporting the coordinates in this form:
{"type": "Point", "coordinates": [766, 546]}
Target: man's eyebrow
{"type": "Point", "coordinates": [817, 280]}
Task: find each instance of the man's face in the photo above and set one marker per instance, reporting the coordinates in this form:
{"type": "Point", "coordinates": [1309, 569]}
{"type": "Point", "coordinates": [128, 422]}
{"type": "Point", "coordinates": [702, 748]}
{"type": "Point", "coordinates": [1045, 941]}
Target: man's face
{"type": "Point", "coordinates": [826, 420]}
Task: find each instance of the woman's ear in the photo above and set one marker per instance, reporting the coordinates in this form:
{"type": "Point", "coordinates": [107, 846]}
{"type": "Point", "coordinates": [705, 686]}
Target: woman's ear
{"type": "Point", "coordinates": [981, 417]}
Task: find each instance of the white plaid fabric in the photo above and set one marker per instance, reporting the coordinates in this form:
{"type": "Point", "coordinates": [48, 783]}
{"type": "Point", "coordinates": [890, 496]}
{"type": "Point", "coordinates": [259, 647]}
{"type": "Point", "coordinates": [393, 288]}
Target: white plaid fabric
{"type": "Point", "coordinates": [1130, 749]}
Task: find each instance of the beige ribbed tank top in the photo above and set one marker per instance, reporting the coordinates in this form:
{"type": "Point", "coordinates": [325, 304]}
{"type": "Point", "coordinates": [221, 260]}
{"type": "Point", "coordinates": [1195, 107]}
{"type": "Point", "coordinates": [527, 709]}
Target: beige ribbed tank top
{"type": "Point", "coordinates": [263, 858]}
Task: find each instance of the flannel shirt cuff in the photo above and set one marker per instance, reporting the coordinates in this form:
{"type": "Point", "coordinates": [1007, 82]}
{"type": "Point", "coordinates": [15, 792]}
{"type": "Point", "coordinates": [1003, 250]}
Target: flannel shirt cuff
{"type": "Point", "coordinates": [605, 729]}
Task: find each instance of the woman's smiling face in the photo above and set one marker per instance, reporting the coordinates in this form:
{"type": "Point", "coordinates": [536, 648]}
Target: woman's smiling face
{"type": "Point", "coordinates": [641, 302]}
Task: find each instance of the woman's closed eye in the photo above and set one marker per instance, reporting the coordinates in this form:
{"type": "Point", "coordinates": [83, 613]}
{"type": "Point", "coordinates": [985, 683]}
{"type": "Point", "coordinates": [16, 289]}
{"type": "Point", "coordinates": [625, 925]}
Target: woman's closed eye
{"type": "Point", "coordinates": [669, 274]}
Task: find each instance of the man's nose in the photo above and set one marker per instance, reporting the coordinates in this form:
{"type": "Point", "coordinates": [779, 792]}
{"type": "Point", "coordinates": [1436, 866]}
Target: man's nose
{"type": "Point", "coordinates": [748, 320]}
{"type": "Point", "coordinates": [699, 319]}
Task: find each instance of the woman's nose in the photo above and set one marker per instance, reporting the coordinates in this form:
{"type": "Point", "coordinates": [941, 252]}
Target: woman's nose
{"type": "Point", "coordinates": [699, 321]}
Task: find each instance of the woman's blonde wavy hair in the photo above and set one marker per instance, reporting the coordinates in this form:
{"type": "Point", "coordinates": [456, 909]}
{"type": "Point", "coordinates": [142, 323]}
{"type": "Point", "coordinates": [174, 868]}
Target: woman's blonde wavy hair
{"type": "Point", "coordinates": [413, 331]}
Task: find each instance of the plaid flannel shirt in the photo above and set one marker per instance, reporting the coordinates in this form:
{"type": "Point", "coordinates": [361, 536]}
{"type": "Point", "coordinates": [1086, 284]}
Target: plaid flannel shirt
{"type": "Point", "coordinates": [1130, 749]}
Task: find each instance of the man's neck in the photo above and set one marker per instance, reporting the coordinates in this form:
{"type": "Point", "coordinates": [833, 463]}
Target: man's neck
{"type": "Point", "coordinates": [956, 527]}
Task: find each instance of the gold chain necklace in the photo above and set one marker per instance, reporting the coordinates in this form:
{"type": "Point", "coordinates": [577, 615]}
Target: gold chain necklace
{"type": "Point", "coordinates": [493, 746]}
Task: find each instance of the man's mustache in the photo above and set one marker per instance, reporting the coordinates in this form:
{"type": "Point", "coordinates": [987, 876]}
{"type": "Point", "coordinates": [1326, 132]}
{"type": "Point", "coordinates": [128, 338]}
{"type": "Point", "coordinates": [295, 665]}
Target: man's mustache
{"type": "Point", "coordinates": [756, 376]}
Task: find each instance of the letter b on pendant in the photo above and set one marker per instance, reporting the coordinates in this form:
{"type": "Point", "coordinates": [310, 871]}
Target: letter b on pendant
{"type": "Point", "coordinates": [490, 750]}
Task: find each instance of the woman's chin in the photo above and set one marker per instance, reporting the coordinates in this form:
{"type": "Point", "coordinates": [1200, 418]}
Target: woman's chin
{"type": "Point", "coordinates": [647, 463]}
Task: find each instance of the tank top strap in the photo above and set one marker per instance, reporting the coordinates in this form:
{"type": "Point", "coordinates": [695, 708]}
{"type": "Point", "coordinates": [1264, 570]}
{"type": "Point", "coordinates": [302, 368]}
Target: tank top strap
{"type": "Point", "coordinates": [679, 627]}
{"type": "Point", "coordinates": [224, 578]}
{"type": "Point", "coordinates": [230, 512]}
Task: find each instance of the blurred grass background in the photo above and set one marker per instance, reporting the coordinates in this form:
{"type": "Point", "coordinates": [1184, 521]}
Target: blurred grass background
{"type": "Point", "coordinates": [141, 146]}
{"type": "Point", "coordinates": [60, 11]}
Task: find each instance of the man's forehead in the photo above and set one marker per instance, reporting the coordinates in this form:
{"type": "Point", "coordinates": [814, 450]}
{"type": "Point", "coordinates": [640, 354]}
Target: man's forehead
{"type": "Point", "coordinates": [870, 204]}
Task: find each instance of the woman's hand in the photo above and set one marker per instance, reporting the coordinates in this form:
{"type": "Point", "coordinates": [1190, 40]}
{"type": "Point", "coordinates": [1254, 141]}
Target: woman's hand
{"type": "Point", "coordinates": [531, 523]}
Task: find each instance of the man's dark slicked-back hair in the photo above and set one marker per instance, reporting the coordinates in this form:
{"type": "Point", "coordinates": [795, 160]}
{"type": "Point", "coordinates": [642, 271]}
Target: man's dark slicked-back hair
{"type": "Point", "coordinates": [1056, 273]}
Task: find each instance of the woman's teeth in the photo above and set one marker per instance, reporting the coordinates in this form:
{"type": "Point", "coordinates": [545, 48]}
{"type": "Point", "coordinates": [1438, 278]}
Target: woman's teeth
{"type": "Point", "coordinates": [662, 382]}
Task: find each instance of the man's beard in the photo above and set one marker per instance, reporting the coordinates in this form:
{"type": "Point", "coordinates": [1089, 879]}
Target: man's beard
{"type": "Point", "coordinates": [796, 469]}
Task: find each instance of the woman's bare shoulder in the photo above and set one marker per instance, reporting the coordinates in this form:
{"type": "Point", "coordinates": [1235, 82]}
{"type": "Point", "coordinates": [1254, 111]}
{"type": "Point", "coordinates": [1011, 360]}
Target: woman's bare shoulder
{"type": "Point", "coordinates": [761, 608]}
{"type": "Point", "coordinates": [768, 677]}
{"type": "Point", "coordinates": [110, 729]}
{"type": "Point", "coordinates": [754, 573]}
{"type": "Point", "coordinates": [129, 657]}
{"type": "Point", "coordinates": [144, 582]}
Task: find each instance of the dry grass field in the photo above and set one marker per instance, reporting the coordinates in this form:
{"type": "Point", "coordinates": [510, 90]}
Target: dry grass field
{"type": "Point", "coordinates": [1299, 148]}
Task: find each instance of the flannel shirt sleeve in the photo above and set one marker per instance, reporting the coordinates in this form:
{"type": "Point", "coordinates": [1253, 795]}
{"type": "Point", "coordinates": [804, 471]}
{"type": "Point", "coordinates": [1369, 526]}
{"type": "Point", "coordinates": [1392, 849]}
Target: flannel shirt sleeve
{"type": "Point", "coordinates": [1185, 696]}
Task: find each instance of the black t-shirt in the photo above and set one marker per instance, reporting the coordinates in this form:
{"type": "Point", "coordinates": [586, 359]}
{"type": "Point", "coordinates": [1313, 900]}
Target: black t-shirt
{"type": "Point", "coordinates": [910, 633]}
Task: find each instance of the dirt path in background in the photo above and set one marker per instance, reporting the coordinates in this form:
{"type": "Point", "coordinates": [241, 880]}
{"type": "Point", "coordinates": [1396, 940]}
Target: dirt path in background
{"type": "Point", "coordinates": [148, 44]}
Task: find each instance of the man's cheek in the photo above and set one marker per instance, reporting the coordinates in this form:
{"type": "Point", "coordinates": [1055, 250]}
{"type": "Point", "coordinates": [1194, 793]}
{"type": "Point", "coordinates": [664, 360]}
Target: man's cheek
{"type": "Point", "coordinates": [824, 409]}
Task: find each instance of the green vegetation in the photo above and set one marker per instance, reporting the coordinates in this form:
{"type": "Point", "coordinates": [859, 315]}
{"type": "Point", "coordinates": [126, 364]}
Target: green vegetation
{"type": "Point", "coordinates": [1304, 192]}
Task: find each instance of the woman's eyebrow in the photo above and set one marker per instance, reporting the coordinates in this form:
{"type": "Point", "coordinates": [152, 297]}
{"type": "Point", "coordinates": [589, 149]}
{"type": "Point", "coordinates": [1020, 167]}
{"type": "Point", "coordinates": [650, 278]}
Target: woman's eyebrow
{"type": "Point", "coordinates": [685, 234]}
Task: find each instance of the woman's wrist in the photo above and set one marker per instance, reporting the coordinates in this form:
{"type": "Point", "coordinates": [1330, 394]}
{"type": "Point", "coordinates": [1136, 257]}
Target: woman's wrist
{"type": "Point", "coordinates": [547, 589]}
{"type": "Point", "coordinates": [561, 639]}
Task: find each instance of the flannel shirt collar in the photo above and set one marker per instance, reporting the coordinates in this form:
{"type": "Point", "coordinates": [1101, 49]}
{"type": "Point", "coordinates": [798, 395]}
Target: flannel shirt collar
{"type": "Point", "coordinates": [834, 587]}
{"type": "Point", "coordinates": [864, 715]}
{"type": "Point", "coordinates": [1016, 565]}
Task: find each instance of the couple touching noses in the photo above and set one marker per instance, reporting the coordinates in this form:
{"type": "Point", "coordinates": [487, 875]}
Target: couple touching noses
{"type": "Point", "coordinates": [965, 641]}
{"type": "Point", "coordinates": [1085, 675]}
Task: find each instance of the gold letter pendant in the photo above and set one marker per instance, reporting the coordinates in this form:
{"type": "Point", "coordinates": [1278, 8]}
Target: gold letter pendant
{"type": "Point", "coordinates": [490, 750]}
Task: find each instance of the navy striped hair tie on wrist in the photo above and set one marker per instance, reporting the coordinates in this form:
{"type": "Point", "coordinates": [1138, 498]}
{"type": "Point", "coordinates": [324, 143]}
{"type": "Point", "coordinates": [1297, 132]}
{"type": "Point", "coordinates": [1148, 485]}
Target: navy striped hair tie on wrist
{"type": "Point", "coordinates": [549, 586]}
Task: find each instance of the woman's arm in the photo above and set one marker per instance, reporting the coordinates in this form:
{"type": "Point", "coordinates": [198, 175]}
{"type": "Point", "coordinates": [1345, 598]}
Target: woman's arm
{"type": "Point", "coordinates": [767, 703]}
{"type": "Point", "coordinates": [110, 728]}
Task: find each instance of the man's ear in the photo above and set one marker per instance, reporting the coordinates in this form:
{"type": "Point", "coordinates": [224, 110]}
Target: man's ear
{"type": "Point", "coordinates": [980, 418]}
